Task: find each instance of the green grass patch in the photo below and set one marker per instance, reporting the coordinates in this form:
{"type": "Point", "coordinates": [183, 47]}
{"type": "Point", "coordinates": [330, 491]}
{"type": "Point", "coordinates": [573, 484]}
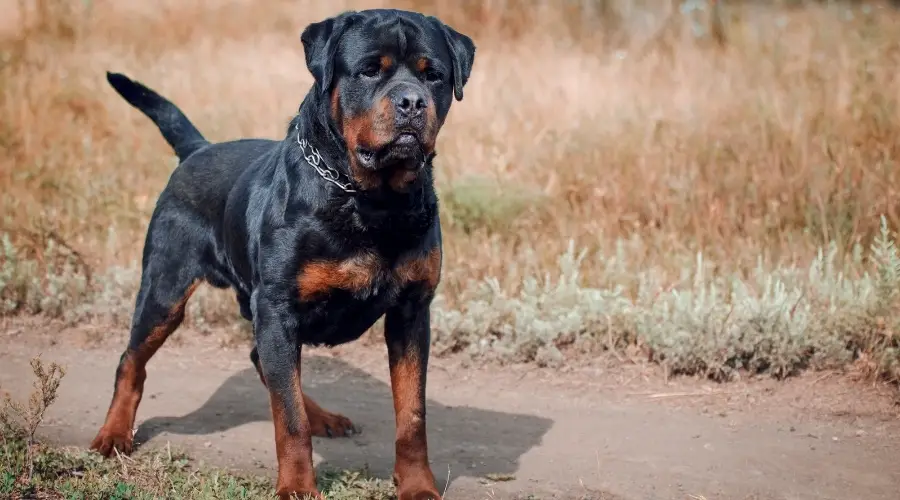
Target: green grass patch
{"type": "Point", "coordinates": [42, 471]}
{"type": "Point", "coordinates": [478, 203]}
{"type": "Point", "coordinates": [30, 469]}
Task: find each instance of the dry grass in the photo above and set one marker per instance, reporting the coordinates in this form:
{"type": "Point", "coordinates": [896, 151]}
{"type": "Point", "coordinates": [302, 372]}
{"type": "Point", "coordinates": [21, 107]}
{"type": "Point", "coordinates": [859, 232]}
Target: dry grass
{"type": "Point", "coordinates": [608, 126]}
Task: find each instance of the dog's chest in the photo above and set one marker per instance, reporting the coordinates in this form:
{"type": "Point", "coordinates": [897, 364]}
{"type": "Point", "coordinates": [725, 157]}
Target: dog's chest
{"type": "Point", "coordinates": [366, 276]}
{"type": "Point", "coordinates": [340, 300]}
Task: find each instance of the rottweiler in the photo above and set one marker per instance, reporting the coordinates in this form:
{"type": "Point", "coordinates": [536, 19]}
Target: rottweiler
{"type": "Point", "coordinates": [319, 234]}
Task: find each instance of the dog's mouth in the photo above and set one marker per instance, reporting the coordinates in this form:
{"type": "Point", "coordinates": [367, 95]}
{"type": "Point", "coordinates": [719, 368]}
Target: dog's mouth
{"type": "Point", "coordinates": [406, 138]}
{"type": "Point", "coordinates": [406, 150]}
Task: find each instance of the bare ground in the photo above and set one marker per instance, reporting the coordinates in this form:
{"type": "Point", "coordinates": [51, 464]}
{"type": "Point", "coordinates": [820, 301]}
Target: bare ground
{"type": "Point", "coordinates": [602, 430]}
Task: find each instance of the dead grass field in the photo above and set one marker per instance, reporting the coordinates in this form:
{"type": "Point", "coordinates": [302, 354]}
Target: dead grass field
{"type": "Point", "coordinates": [725, 190]}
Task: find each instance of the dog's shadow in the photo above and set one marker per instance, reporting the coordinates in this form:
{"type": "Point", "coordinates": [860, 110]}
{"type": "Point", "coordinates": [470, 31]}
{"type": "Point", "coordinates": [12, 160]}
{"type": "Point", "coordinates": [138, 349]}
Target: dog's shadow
{"type": "Point", "coordinates": [470, 441]}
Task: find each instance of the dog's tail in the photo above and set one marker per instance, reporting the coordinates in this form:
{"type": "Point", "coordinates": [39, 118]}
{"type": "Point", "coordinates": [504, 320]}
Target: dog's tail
{"type": "Point", "coordinates": [178, 131]}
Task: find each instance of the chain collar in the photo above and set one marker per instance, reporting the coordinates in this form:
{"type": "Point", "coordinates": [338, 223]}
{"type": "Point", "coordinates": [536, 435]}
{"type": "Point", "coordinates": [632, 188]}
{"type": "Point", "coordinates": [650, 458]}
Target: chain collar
{"type": "Point", "coordinates": [324, 170]}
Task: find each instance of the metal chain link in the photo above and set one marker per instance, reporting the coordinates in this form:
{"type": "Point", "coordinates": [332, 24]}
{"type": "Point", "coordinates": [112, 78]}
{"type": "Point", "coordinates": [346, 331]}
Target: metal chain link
{"type": "Point", "coordinates": [326, 172]}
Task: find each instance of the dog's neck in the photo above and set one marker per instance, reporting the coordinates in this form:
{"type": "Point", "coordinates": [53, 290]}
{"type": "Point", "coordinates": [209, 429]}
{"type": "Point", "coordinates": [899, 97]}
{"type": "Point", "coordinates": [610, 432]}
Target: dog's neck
{"type": "Point", "coordinates": [382, 211]}
{"type": "Point", "coordinates": [314, 124]}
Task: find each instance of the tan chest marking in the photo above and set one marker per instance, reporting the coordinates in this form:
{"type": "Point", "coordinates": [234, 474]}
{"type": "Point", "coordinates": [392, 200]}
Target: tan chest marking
{"type": "Point", "coordinates": [360, 273]}
{"type": "Point", "coordinates": [425, 269]}
{"type": "Point", "coordinates": [353, 275]}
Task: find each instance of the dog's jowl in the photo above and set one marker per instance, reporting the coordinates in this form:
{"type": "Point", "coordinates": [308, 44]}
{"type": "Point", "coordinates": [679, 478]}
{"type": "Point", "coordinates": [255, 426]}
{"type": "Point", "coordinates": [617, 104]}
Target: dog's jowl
{"type": "Point", "coordinates": [319, 234]}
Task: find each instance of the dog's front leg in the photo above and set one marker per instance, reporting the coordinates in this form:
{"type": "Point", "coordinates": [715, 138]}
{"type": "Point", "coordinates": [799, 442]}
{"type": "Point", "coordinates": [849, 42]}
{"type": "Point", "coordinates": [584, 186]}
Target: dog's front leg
{"type": "Point", "coordinates": [279, 357]}
{"type": "Point", "coordinates": [408, 335]}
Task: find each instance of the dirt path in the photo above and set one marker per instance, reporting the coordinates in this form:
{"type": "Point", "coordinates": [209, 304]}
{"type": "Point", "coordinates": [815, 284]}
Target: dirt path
{"type": "Point", "coordinates": [590, 433]}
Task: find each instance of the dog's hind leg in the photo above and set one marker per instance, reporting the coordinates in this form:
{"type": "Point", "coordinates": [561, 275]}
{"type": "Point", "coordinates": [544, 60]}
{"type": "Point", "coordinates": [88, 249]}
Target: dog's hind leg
{"type": "Point", "coordinates": [171, 273]}
{"type": "Point", "coordinates": [322, 423]}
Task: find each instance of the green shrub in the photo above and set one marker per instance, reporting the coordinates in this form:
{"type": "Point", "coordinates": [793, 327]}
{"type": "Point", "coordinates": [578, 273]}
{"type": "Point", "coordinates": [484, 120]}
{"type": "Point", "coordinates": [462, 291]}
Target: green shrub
{"type": "Point", "coordinates": [478, 203]}
{"type": "Point", "coordinates": [776, 321]}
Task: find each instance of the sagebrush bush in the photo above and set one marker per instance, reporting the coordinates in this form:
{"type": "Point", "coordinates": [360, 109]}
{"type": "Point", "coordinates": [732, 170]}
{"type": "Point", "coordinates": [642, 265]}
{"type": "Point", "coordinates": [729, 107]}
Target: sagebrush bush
{"type": "Point", "coordinates": [776, 321]}
{"type": "Point", "coordinates": [50, 285]}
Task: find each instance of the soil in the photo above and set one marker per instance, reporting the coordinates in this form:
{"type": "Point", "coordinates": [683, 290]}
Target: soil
{"type": "Point", "coordinates": [604, 429]}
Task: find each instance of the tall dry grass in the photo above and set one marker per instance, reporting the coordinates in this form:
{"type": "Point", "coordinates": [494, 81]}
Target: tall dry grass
{"type": "Point", "coordinates": [608, 124]}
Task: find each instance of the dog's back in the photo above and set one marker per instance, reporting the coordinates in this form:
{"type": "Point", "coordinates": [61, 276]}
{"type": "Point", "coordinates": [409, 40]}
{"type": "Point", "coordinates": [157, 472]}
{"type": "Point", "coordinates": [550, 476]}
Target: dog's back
{"type": "Point", "coordinates": [206, 178]}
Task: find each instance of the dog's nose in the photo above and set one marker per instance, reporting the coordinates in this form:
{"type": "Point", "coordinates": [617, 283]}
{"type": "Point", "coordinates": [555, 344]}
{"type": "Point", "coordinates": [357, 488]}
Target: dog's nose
{"type": "Point", "coordinates": [410, 103]}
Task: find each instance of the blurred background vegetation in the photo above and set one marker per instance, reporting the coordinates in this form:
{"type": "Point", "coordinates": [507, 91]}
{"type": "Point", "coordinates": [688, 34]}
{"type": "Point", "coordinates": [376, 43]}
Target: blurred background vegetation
{"type": "Point", "coordinates": [646, 167]}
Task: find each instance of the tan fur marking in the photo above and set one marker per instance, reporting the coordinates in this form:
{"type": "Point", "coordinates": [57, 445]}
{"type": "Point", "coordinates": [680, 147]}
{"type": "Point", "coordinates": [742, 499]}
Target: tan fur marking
{"type": "Point", "coordinates": [371, 130]}
{"type": "Point", "coordinates": [386, 63]}
{"type": "Point", "coordinates": [406, 382]}
{"type": "Point", "coordinates": [425, 269]}
{"type": "Point", "coordinates": [432, 127]}
{"type": "Point", "coordinates": [129, 388]}
{"type": "Point", "coordinates": [321, 421]}
{"type": "Point", "coordinates": [294, 451]}
{"type": "Point", "coordinates": [318, 278]}
{"type": "Point", "coordinates": [401, 178]}
{"type": "Point", "coordinates": [336, 106]}
{"type": "Point", "coordinates": [411, 470]}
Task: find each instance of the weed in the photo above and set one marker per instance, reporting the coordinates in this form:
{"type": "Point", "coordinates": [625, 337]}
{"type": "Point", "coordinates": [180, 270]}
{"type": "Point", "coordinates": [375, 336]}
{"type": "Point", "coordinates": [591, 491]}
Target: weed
{"type": "Point", "coordinates": [776, 321]}
{"type": "Point", "coordinates": [31, 469]}
{"type": "Point", "coordinates": [22, 420]}
{"type": "Point", "coordinates": [48, 283]}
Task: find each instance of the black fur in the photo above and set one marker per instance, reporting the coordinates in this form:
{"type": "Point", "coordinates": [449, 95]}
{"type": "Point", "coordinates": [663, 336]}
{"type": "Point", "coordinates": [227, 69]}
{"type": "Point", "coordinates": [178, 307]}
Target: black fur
{"type": "Point", "coordinates": [180, 133]}
{"type": "Point", "coordinates": [250, 214]}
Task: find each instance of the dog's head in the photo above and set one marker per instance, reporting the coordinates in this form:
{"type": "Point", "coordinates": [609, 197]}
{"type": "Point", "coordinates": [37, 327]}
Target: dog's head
{"type": "Point", "coordinates": [390, 77]}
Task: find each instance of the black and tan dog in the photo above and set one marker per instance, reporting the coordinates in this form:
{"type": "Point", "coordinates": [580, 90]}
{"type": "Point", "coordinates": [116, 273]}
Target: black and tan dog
{"type": "Point", "coordinates": [319, 234]}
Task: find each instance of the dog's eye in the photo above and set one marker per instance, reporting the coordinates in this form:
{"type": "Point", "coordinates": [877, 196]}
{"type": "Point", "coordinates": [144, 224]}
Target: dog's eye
{"type": "Point", "coordinates": [433, 76]}
{"type": "Point", "coordinates": [370, 72]}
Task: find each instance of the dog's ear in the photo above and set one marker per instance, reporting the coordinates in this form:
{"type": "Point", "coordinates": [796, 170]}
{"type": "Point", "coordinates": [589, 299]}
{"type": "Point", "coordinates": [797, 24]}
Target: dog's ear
{"type": "Point", "coordinates": [320, 42]}
{"type": "Point", "coordinates": [462, 52]}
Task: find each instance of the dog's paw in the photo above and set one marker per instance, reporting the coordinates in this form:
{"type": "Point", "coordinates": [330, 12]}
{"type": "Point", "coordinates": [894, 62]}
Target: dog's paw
{"type": "Point", "coordinates": [415, 484]}
{"type": "Point", "coordinates": [330, 425]}
{"type": "Point", "coordinates": [107, 443]}
{"type": "Point", "coordinates": [421, 494]}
